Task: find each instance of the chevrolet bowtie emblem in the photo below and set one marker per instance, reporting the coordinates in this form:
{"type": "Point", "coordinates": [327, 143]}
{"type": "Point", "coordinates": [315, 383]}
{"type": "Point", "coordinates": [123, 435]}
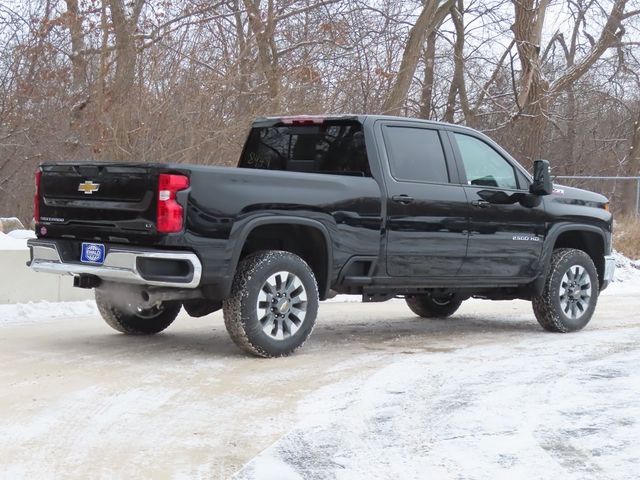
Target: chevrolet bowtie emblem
{"type": "Point", "coordinates": [88, 187]}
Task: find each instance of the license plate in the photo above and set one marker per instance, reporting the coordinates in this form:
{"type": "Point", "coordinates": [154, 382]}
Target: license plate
{"type": "Point", "coordinates": [92, 253]}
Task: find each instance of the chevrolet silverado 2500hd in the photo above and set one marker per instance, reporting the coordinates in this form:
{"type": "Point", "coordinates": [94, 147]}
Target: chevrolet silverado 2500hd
{"type": "Point", "coordinates": [377, 206]}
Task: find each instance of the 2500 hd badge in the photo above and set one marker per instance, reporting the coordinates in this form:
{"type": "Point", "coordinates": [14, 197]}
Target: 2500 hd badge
{"type": "Point", "coordinates": [526, 238]}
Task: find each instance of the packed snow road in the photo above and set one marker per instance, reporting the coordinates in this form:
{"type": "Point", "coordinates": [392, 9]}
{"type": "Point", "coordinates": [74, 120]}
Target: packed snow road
{"type": "Point", "coordinates": [375, 393]}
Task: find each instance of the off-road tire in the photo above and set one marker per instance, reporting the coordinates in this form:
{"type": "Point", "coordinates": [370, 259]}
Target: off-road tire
{"type": "Point", "coordinates": [427, 307]}
{"type": "Point", "coordinates": [242, 315]}
{"type": "Point", "coordinates": [124, 321]}
{"type": "Point", "coordinates": [547, 307]}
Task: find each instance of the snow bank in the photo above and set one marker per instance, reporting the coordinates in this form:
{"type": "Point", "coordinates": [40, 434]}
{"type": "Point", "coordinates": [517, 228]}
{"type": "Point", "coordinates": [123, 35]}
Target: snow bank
{"type": "Point", "coordinates": [627, 276]}
{"type": "Point", "coordinates": [9, 242]}
{"type": "Point", "coordinates": [22, 234]}
{"type": "Point", "coordinates": [627, 270]}
{"type": "Point", "coordinates": [15, 239]}
{"type": "Point", "coordinates": [27, 313]}
{"type": "Point", "coordinates": [344, 298]}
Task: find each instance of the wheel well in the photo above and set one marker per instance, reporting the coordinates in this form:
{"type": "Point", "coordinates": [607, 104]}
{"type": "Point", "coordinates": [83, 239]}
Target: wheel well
{"type": "Point", "coordinates": [305, 241]}
{"type": "Point", "coordinates": [589, 242]}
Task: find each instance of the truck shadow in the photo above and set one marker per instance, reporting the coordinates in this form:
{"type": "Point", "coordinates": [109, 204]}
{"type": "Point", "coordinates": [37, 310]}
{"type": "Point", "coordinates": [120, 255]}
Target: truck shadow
{"type": "Point", "coordinates": [207, 338]}
{"type": "Point", "coordinates": [423, 330]}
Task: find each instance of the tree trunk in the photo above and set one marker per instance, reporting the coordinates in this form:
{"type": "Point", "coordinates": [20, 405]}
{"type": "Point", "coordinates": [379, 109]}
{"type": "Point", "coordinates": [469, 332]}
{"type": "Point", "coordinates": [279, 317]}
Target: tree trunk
{"type": "Point", "coordinates": [126, 54]}
{"type": "Point", "coordinates": [432, 15]}
{"type": "Point", "coordinates": [122, 119]}
{"type": "Point", "coordinates": [457, 87]}
{"type": "Point", "coordinates": [534, 92]}
{"type": "Point", "coordinates": [244, 68]}
{"type": "Point", "coordinates": [99, 145]}
{"type": "Point", "coordinates": [530, 122]}
{"type": "Point", "coordinates": [78, 60]}
{"type": "Point", "coordinates": [264, 31]}
{"type": "Point", "coordinates": [572, 135]}
{"type": "Point", "coordinates": [426, 98]}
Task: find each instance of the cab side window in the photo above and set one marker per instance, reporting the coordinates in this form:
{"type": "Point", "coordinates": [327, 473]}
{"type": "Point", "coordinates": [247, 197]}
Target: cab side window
{"type": "Point", "coordinates": [415, 154]}
{"type": "Point", "coordinates": [483, 165]}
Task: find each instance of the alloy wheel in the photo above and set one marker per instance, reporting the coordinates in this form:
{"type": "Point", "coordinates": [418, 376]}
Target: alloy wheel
{"type": "Point", "coordinates": [282, 305]}
{"type": "Point", "coordinates": [575, 292]}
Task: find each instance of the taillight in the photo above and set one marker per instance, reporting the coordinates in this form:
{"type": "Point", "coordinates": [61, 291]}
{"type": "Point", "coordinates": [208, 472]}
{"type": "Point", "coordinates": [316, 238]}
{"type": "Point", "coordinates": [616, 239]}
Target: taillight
{"type": "Point", "coordinates": [36, 197]}
{"type": "Point", "coordinates": [170, 212]}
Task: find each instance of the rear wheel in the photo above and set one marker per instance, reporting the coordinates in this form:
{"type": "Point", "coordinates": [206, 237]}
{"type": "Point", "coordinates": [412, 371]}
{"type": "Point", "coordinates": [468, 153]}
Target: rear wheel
{"type": "Point", "coordinates": [273, 304]}
{"type": "Point", "coordinates": [570, 292]}
{"type": "Point", "coordinates": [133, 320]}
{"type": "Point", "coordinates": [429, 306]}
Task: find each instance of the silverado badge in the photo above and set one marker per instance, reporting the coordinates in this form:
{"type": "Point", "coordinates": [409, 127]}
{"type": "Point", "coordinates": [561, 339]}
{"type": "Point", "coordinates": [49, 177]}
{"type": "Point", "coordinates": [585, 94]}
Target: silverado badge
{"type": "Point", "coordinates": [88, 187]}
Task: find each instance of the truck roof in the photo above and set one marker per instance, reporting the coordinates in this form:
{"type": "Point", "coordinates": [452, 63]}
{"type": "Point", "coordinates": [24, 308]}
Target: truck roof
{"type": "Point", "coordinates": [268, 121]}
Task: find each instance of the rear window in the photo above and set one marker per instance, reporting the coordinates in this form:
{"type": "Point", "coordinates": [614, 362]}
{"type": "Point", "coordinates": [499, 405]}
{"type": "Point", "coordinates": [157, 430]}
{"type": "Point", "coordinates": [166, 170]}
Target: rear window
{"type": "Point", "coordinates": [332, 147]}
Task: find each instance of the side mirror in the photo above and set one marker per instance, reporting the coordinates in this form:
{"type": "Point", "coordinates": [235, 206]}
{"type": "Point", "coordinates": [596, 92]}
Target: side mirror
{"type": "Point", "coordinates": [542, 184]}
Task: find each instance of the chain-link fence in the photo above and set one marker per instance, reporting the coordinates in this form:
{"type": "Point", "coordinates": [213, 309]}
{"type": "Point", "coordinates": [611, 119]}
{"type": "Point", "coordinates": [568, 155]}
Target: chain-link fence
{"type": "Point", "coordinates": [623, 192]}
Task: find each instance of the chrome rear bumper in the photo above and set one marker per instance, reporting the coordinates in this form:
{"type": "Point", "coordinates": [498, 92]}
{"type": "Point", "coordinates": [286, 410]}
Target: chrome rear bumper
{"type": "Point", "coordinates": [120, 265]}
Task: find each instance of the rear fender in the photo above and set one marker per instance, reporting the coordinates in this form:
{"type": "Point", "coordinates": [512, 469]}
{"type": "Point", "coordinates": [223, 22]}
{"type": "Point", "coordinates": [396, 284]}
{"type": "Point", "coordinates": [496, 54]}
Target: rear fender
{"type": "Point", "coordinates": [239, 238]}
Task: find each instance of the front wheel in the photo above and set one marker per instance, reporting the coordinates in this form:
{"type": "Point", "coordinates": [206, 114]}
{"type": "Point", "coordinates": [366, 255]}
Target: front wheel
{"type": "Point", "coordinates": [273, 304]}
{"type": "Point", "coordinates": [570, 292]}
{"type": "Point", "coordinates": [129, 319]}
{"type": "Point", "coordinates": [429, 306]}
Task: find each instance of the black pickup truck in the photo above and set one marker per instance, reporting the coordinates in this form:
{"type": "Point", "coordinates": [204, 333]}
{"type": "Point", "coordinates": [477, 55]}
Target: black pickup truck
{"type": "Point", "coordinates": [377, 206]}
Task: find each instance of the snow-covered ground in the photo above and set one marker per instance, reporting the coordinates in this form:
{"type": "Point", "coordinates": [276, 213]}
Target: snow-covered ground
{"type": "Point", "coordinates": [376, 393]}
{"type": "Point", "coordinates": [564, 406]}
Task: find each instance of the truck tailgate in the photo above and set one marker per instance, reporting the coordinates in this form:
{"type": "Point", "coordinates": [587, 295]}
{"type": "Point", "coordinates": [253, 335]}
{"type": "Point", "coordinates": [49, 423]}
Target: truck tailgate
{"type": "Point", "coordinates": [98, 200]}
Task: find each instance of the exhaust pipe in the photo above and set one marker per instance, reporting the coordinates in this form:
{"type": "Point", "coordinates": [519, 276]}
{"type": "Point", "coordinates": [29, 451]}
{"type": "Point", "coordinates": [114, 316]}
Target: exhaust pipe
{"type": "Point", "coordinates": [155, 296]}
{"type": "Point", "coordinates": [136, 297]}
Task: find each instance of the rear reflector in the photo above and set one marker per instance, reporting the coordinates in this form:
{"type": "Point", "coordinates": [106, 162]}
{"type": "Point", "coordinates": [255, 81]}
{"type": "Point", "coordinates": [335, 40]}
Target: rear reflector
{"type": "Point", "coordinates": [36, 197]}
{"type": "Point", "coordinates": [170, 212]}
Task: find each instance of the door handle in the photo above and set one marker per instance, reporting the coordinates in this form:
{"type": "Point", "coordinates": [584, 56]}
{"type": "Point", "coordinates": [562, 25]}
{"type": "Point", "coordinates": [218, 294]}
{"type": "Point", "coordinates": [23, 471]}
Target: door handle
{"type": "Point", "coordinates": [480, 203]}
{"type": "Point", "coordinates": [403, 199]}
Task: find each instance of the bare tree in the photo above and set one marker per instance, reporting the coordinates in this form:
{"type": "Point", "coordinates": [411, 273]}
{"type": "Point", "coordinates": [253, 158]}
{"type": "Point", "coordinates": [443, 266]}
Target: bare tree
{"type": "Point", "coordinates": [431, 16]}
{"type": "Point", "coordinates": [427, 83]}
{"type": "Point", "coordinates": [263, 25]}
{"type": "Point", "coordinates": [78, 60]}
{"type": "Point", "coordinates": [458, 86]}
{"type": "Point", "coordinates": [180, 81]}
{"type": "Point", "coordinates": [534, 93]}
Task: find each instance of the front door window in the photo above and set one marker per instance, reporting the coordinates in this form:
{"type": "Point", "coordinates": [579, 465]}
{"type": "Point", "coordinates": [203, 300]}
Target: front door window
{"type": "Point", "coordinates": [483, 165]}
